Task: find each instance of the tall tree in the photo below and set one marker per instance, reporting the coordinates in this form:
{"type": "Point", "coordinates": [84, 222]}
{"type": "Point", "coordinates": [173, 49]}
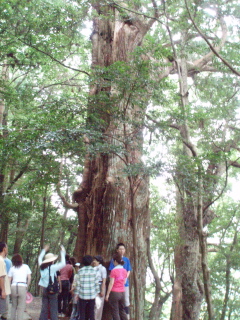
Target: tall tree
{"type": "Point", "coordinates": [113, 197]}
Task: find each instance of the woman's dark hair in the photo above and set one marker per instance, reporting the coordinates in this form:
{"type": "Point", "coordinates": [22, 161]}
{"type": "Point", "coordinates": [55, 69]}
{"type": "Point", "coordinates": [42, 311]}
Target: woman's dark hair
{"type": "Point", "coordinates": [118, 258]}
{"type": "Point", "coordinates": [87, 260]}
{"type": "Point", "coordinates": [17, 260]}
{"type": "Point", "coordinates": [99, 259]}
{"type": "Point", "coordinates": [72, 261]}
{"type": "Point", "coordinates": [46, 265]}
{"type": "Point", "coordinates": [67, 257]}
{"type": "Point", "coordinates": [2, 246]}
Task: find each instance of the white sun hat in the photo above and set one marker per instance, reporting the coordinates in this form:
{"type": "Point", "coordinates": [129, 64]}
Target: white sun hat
{"type": "Point", "coordinates": [49, 257]}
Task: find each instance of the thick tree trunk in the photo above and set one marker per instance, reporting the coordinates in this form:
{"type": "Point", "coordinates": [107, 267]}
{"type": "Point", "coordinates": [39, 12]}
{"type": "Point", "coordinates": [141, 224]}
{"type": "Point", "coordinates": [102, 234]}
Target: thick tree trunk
{"type": "Point", "coordinates": [113, 203]}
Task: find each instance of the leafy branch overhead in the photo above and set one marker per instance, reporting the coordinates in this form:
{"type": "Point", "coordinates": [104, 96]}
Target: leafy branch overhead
{"type": "Point", "coordinates": [101, 100]}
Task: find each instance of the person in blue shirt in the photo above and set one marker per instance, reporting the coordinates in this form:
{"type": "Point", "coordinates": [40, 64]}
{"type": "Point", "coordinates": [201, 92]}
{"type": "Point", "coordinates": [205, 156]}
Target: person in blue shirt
{"type": "Point", "coordinates": [8, 263]}
{"type": "Point", "coordinates": [48, 266]}
{"type": "Point", "coordinates": [127, 265]}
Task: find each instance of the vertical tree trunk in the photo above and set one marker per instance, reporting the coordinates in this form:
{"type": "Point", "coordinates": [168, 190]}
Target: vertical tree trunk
{"type": "Point", "coordinates": [22, 227]}
{"type": "Point", "coordinates": [44, 219]}
{"type": "Point", "coordinates": [187, 290]}
{"type": "Point", "coordinates": [4, 229]}
{"type": "Point", "coordinates": [228, 275]}
{"type": "Point", "coordinates": [3, 134]}
{"type": "Point", "coordinates": [113, 205]}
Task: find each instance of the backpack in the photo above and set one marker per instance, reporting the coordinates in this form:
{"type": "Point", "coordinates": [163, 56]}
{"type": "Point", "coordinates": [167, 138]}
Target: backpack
{"type": "Point", "coordinates": [53, 287]}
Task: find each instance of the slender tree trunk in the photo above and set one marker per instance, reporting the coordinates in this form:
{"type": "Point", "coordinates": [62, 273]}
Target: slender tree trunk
{"type": "Point", "coordinates": [22, 227]}
{"type": "Point", "coordinates": [44, 219]}
{"type": "Point", "coordinates": [70, 241]}
{"type": "Point", "coordinates": [62, 232]}
{"type": "Point", "coordinates": [187, 290]}
{"type": "Point", "coordinates": [159, 300]}
{"type": "Point", "coordinates": [4, 229]}
{"type": "Point", "coordinates": [228, 275]}
{"type": "Point", "coordinates": [3, 134]}
{"type": "Point", "coordinates": [203, 248]}
{"type": "Point", "coordinates": [4, 76]}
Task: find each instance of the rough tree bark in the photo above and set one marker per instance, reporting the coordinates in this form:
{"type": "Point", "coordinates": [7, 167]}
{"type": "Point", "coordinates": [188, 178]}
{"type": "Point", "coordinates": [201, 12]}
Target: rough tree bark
{"type": "Point", "coordinates": [113, 205]}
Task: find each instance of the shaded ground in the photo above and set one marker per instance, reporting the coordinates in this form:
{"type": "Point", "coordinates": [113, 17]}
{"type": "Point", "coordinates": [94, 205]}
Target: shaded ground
{"type": "Point", "coordinates": [33, 309]}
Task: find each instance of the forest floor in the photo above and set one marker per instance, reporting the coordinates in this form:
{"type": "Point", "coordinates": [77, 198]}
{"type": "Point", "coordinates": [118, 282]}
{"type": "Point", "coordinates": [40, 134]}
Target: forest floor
{"type": "Point", "coordinates": [33, 309]}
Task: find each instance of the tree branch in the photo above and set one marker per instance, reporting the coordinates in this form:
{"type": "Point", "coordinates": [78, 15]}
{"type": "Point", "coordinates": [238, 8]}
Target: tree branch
{"type": "Point", "coordinates": [205, 59]}
{"type": "Point", "coordinates": [52, 58]}
{"type": "Point", "coordinates": [19, 175]}
{"type": "Point", "coordinates": [58, 186]}
{"type": "Point", "coordinates": [234, 164]}
{"type": "Point", "coordinates": [220, 194]}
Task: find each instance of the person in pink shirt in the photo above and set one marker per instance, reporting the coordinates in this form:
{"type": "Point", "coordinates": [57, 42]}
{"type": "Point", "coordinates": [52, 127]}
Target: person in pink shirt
{"type": "Point", "coordinates": [116, 288]}
{"type": "Point", "coordinates": [65, 275]}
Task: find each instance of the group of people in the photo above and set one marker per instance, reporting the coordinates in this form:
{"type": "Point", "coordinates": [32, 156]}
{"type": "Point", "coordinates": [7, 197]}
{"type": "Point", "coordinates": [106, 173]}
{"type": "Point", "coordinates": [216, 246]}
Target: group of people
{"type": "Point", "coordinates": [88, 287]}
{"type": "Point", "coordinates": [84, 284]}
{"type": "Point", "coordinates": [15, 277]}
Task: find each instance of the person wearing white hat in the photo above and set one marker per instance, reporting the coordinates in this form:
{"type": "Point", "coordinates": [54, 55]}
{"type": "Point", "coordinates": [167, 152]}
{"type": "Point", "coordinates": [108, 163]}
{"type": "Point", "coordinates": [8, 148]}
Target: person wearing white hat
{"type": "Point", "coordinates": [49, 267]}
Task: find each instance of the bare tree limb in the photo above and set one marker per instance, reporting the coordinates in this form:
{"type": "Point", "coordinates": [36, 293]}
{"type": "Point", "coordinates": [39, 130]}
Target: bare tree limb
{"type": "Point", "coordinates": [205, 59]}
{"type": "Point", "coordinates": [58, 189]}
{"type": "Point", "coordinates": [220, 194]}
{"type": "Point", "coordinates": [234, 164]}
{"type": "Point", "coordinates": [19, 175]}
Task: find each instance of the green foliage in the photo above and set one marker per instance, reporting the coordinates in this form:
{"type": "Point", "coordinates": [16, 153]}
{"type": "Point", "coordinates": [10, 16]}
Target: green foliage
{"type": "Point", "coordinates": [48, 111]}
{"type": "Point", "coordinates": [224, 240]}
{"type": "Point", "coordinates": [163, 241]}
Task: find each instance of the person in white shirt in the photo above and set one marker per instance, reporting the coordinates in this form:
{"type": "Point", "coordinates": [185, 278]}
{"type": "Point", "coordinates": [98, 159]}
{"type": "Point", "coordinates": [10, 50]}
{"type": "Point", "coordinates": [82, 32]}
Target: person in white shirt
{"type": "Point", "coordinates": [102, 276]}
{"type": "Point", "coordinates": [20, 278]}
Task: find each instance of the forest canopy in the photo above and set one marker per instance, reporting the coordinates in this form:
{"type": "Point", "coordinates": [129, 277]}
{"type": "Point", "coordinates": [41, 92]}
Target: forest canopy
{"type": "Point", "coordinates": [119, 122]}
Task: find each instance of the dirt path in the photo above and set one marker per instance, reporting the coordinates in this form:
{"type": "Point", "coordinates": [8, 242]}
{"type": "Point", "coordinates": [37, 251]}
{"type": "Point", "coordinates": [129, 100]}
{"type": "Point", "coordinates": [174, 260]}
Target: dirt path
{"type": "Point", "coordinates": [33, 309]}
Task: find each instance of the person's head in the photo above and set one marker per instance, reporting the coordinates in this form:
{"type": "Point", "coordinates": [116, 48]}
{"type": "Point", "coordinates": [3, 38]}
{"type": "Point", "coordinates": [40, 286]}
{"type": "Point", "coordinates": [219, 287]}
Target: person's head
{"type": "Point", "coordinates": [121, 248]}
{"type": "Point", "coordinates": [17, 260]}
{"type": "Point", "coordinates": [117, 259]}
{"type": "Point", "coordinates": [87, 260]}
{"type": "Point", "coordinates": [3, 249]}
{"type": "Point", "coordinates": [49, 259]}
{"type": "Point", "coordinates": [97, 260]}
{"type": "Point", "coordinates": [67, 258]}
{"type": "Point", "coordinates": [72, 261]}
{"type": "Point", "coordinates": [77, 266]}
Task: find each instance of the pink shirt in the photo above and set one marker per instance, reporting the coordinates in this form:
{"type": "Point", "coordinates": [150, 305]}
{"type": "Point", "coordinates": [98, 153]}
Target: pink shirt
{"type": "Point", "coordinates": [66, 272]}
{"type": "Point", "coordinates": [119, 274]}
